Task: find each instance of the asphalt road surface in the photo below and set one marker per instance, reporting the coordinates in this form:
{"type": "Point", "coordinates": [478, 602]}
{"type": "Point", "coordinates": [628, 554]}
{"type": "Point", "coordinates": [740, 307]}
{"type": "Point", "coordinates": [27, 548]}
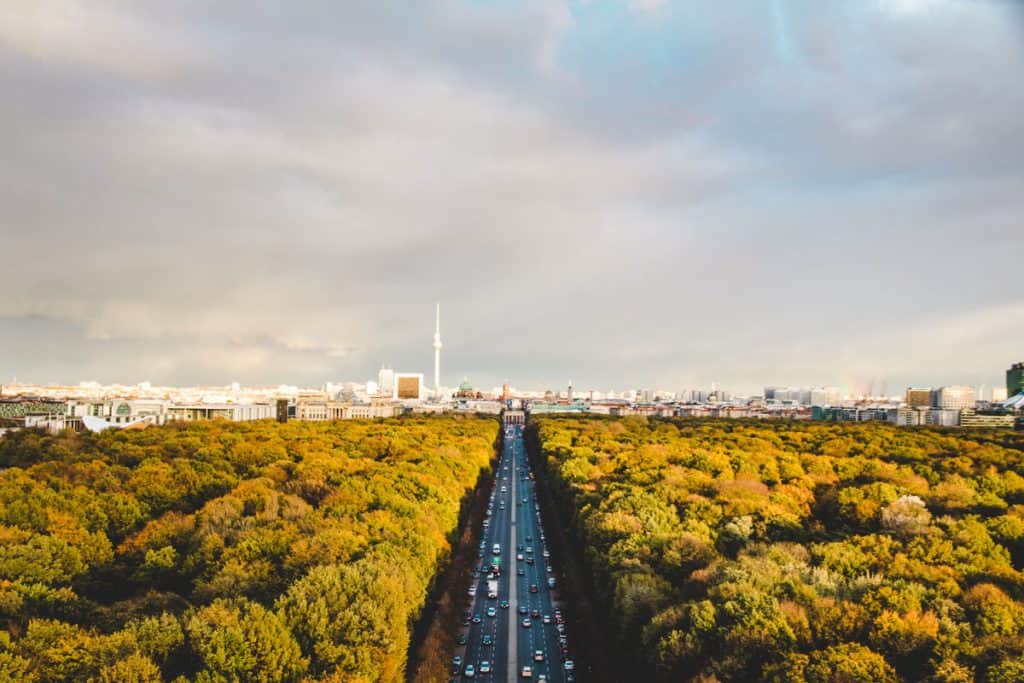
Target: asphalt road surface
{"type": "Point", "coordinates": [501, 643]}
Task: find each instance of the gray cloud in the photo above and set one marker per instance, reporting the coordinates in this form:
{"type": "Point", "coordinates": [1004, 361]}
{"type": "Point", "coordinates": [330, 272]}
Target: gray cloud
{"type": "Point", "coordinates": [206, 191]}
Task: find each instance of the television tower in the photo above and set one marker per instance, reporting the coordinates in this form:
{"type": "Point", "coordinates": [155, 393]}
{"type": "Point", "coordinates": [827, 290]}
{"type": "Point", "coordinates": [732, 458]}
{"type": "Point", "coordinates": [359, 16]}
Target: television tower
{"type": "Point", "coordinates": [437, 355]}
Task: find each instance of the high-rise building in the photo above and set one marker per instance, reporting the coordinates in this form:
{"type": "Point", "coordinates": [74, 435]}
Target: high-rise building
{"type": "Point", "coordinates": [999, 394]}
{"type": "Point", "coordinates": [919, 398]}
{"type": "Point", "coordinates": [1015, 379]}
{"type": "Point", "coordinates": [823, 396]}
{"type": "Point", "coordinates": [408, 385]}
{"type": "Point", "coordinates": [954, 398]}
{"type": "Point", "coordinates": [385, 381]}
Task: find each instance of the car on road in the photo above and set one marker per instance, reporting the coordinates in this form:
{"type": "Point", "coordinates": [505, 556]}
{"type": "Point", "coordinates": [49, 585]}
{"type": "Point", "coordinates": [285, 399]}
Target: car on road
{"type": "Point", "coordinates": [546, 554]}
{"type": "Point", "coordinates": [477, 619]}
{"type": "Point", "coordinates": [470, 671]}
{"type": "Point", "coordinates": [551, 582]}
{"type": "Point", "coordinates": [533, 588]}
{"type": "Point", "coordinates": [527, 623]}
{"type": "Point", "coordinates": [522, 609]}
{"type": "Point", "coordinates": [503, 604]}
{"type": "Point", "coordinates": [521, 572]}
{"type": "Point", "coordinates": [526, 672]}
{"type": "Point", "coordinates": [519, 557]}
{"type": "Point", "coordinates": [538, 655]}
{"type": "Point", "coordinates": [535, 613]}
{"type": "Point", "coordinates": [529, 559]}
{"type": "Point", "coordinates": [542, 678]}
{"type": "Point", "coordinates": [462, 639]}
{"type": "Point", "coordinates": [547, 618]}
{"type": "Point", "coordinates": [569, 665]}
{"type": "Point", "coordinates": [485, 667]}
{"type": "Point", "coordinates": [488, 639]}
{"type": "Point", "coordinates": [491, 612]}
{"type": "Point", "coordinates": [457, 663]}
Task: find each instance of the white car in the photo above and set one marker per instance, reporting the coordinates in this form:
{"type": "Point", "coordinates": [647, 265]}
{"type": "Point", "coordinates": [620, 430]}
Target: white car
{"type": "Point", "coordinates": [526, 672]}
{"type": "Point", "coordinates": [538, 655]}
{"type": "Point", "coordinates": [470, 671]}
{"type": "Point", "coordinates": [485, 667]}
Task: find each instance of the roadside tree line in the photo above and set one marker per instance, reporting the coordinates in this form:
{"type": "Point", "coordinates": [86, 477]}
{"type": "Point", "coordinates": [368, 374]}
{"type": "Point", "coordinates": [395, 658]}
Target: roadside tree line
{"type": "Point", "coordinates": [789, 551]}
{"type": "Point", "coordinates": [222, 551]}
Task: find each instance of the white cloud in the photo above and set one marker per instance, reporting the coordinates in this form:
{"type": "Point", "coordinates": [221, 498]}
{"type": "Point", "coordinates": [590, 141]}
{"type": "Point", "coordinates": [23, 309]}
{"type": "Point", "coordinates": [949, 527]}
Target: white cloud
{"type": "Point", "coordinates": [293, 188]}
{"type": "Point", "coordinates": [93, 34]}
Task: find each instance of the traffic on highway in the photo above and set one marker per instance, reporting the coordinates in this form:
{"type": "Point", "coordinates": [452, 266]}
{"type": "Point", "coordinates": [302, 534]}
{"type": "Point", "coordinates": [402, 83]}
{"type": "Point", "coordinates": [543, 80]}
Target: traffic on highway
{"type": "Point", "coordinates": [513, 629]}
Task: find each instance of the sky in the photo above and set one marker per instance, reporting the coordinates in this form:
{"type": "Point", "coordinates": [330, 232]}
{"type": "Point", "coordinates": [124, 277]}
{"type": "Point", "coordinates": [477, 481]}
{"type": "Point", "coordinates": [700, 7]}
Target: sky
{"type": "Point", "coordinates": [627, 194]}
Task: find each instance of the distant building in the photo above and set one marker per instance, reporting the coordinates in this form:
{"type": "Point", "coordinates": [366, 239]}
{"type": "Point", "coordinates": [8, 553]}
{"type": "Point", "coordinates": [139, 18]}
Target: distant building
{"type": "Point", "coordinates": [235, 412]}
{"type": "Point", "coordinates": [971, 418]}
{"type": "Point", "coordinates": [908, 417]}
{"type": "Point", "coordinates": [473, 405]}
{"type": "Point", "coordinates": [120, 411]}
{"type": "Point", "coordinates": [1015, 403]}
{"type": "Point", "coordinates": [408, 386]}
{"type": "Point", "coordinates": [999, 394]}
{"type": "Point", "coordinates": [1015, 380]}
{"type": "Point", "coordinates": [322, 409]}
{"type": "Point", "coordinates": [386, 381]}
{"type": "Point", "coordinates": [466, 390]}
{"type": "Point", "coordinates": [954, 398]}
{"type": "Point", "coordinates": [33, 413]}
{"type": "Point", "coordinates": [551, 406]}
{"type": "Point", "coordinates": [918, 397]}
{"type": "Point", "coordinates": [943, 417]}
{"type": "Point", "coordinates": [823, 396]}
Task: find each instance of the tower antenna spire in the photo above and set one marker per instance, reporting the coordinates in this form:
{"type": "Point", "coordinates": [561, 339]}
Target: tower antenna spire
{"type": "Point", "coordinates": [437, 353]}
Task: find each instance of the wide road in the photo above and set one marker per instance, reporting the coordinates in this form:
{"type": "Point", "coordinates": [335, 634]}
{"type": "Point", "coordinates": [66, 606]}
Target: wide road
{"type": "Point", "coordinates": [498, 647]}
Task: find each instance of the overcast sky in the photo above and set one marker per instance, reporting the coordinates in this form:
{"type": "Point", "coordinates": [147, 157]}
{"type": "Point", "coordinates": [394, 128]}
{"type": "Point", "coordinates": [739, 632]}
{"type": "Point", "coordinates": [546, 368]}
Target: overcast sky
{"type": "Point", "coordinates": [645, 193]}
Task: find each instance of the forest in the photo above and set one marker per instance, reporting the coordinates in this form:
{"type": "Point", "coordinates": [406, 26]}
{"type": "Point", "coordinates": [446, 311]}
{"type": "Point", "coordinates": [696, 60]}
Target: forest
{"type": "Point", "coordinates": [730, 550]}
{"type": "Point", "coordinates": [221, 551]}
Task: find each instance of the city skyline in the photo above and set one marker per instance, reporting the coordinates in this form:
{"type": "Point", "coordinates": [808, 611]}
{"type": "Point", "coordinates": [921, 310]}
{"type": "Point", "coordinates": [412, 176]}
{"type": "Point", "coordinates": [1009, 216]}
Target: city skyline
{"type": "Point", "coordinates": [645, 193]}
